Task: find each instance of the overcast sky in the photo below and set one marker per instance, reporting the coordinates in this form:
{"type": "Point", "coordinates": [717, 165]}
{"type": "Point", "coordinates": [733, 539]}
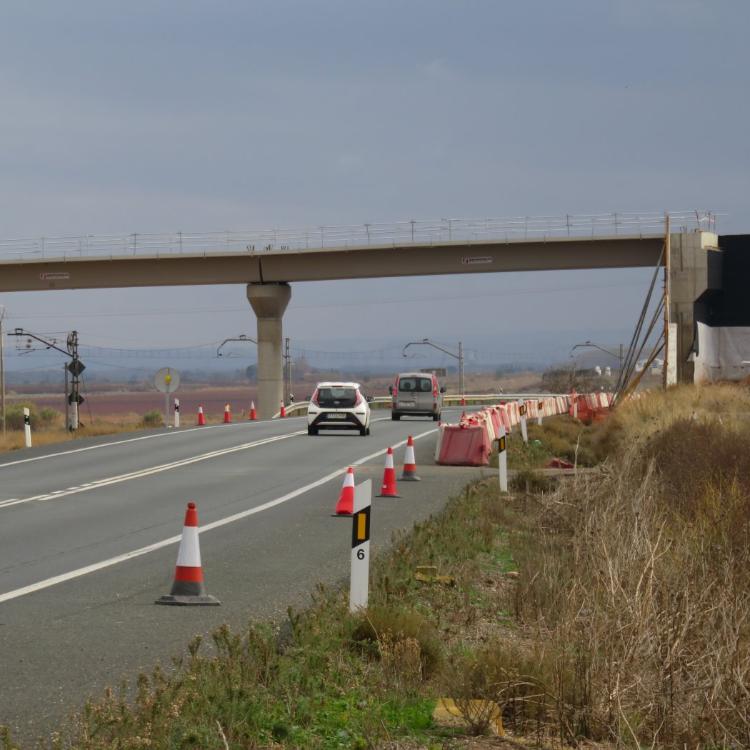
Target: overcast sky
{"type": "Point", "coordinates": [198, 116]}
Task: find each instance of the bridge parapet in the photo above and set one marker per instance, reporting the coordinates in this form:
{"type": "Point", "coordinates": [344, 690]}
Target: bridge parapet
{"type": "Point", "coordinates": [400, 233]}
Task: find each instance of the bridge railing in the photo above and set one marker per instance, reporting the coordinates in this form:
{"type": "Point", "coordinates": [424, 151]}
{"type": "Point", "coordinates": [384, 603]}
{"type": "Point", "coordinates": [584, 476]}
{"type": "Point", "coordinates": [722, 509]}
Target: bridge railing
{"type": "Point", "coordinates": [412, 232]}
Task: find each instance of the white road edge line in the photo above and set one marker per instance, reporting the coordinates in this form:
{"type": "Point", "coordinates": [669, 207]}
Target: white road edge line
{"type": "Point", "coordinates": [123, 442]}
{"type": "Point", "coordinates": [79, 572]}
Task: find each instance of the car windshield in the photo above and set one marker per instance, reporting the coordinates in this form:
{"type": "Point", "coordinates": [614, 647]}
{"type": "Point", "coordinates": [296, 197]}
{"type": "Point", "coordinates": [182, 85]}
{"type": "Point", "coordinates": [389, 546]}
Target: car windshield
{"type": "Point", "coordinates": [415, 385]}
{"type": "Point", "coordinates": [337, 396]}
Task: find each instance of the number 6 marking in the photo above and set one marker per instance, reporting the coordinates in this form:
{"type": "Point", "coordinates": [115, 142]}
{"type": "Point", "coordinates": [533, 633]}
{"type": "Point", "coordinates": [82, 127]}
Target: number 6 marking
{"type": "Point", "coordinates": [360, 554]}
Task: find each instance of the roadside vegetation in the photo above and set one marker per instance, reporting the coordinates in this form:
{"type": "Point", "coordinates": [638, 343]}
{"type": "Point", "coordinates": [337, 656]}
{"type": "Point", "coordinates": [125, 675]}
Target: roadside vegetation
{"type": "Point", "coordinates": [48, 426]}
{"type": "Point", "coordinates": [610, 608]}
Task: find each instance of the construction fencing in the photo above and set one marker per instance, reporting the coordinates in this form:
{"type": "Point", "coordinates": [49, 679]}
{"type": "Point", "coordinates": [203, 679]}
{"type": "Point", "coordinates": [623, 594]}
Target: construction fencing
{"type": "Point", "coordinates": [469, 443]}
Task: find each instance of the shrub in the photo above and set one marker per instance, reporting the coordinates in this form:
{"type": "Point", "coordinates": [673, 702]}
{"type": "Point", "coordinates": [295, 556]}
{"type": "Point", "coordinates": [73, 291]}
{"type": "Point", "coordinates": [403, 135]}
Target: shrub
{"type": "Point", "coordinates": [153, 418]}
{"type": "Point", "coordinates": [389, 631]}
{"type": "Point", "coordinates": [14, 415]}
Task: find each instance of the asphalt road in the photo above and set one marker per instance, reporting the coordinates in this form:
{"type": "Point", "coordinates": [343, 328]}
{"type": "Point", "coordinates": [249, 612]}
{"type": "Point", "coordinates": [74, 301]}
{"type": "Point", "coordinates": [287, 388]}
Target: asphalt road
{"type": "Point", "coordinates": [89, 534]}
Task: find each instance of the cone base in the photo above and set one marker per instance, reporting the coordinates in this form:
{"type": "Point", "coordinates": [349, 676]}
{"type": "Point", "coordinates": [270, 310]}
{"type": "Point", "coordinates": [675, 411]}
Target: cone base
{"type": "Point", "coordinates": [185, 601]}
{"type": "Point", "coordinates": [409, 478]}
{"type": "Point", "coordinates": [388, 494]}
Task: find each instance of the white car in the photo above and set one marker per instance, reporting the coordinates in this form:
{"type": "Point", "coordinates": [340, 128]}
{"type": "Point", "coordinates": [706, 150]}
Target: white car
{"type": "Point", "coordinates": [338, 406]}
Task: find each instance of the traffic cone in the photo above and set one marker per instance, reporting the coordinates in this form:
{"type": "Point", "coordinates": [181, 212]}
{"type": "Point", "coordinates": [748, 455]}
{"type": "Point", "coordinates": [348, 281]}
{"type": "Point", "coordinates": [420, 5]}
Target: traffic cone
{"type": "Point", "coordinates": [282, 410]}
{"type": "Point", "coordinates": [252, 414]}
{"type": "Point", "coordinates": [388, 488]}
{"type": "Point", "coordinates": [345, 505]}
{"type": "Point", "coordinates": [227, 414]}
{"type": "Point", "coordinates": [409, 473]}
{"type": "Point", "coordinates": [188, 585]}
{"type": "Point", "coordinates": [201, 416]}
{"type": "Point", "coordinates": [463, 401]}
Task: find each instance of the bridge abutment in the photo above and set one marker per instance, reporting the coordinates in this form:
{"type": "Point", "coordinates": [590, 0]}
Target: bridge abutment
{"type": "Point", "coordinates": [269, 302]}
{"type": "Point", "coordinates": [688, 280]}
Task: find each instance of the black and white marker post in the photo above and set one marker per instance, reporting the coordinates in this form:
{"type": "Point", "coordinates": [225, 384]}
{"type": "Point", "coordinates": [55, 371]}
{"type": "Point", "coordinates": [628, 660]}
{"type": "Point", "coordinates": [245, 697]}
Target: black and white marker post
{"type": "Point", "coordinates": [502, 459]}
{"type": "Point", "coordinates": [27, 426]}
{"type": "Point", "coordinates": [360, 577]}
{"type": "Point", "coordinates": [539, 412]}
{"type": "Point", "coordinates": [176, 413]}
{"type": "Point", "coordinates": [522, 414]}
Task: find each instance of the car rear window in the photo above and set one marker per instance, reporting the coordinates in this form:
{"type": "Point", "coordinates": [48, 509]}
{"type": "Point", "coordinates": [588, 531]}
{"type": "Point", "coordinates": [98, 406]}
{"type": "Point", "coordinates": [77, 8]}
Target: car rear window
{"type": "Point", "coordinates": [415, 385]}
{"type": "Point", "coordinates": [343, 398]}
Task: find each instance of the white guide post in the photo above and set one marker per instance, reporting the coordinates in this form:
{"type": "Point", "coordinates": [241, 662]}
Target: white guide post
{"type": "Point", "coordinates": [502, 460]}
{"type": "Point", "coordinates": [176, 413]}
{"type": "Point", "coordinates": [522, 414]}
{"type": "Point", "coordinates": [27, 426]}
{"type": "Point", "coordinates": [539, 412]}
{"type": "Point", "coordinates": [360, 577]}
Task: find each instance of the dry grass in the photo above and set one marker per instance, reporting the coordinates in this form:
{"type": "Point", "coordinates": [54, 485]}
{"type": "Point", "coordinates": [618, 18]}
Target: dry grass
{"type": "Point", "coordinates": [638, 580]}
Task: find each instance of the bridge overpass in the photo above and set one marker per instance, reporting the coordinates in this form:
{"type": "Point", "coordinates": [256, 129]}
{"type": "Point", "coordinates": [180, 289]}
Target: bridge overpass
{"type": "Point", "coordinates": [267, 262]}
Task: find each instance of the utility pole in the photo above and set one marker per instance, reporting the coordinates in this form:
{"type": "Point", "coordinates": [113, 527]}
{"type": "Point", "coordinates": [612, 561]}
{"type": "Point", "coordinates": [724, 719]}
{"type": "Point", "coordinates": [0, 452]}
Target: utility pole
{"type": "Point", "coordinates": [288, 362]}
{"type": "Point", "coordinates": [461, 369]}
{"type": "Point", "coordinates": [76, 367]}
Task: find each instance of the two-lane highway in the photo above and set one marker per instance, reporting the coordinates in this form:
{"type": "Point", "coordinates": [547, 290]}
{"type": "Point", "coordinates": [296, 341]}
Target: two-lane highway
{"type": "Point", "coordinates": [88, 539]}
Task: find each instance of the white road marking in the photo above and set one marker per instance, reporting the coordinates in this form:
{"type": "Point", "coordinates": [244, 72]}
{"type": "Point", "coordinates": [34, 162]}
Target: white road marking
{"type": "Point", "coordinates": [142, 472]}
{"type": "Point", "coordinates": [146, 472]}
{"type": "Point", "coordinates": [123, 442]}
{"type": "Point", "coordinates": [79, 572]}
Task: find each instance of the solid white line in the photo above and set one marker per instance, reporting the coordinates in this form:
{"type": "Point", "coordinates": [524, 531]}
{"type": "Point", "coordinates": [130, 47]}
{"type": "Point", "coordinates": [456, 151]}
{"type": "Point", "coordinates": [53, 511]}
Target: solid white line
{"type": "Point", "coordinates": [55, 494]}
{"type": "Point", "coordinates": [79, 572]}
{"type": "Point", "coordinates": [123, 442]}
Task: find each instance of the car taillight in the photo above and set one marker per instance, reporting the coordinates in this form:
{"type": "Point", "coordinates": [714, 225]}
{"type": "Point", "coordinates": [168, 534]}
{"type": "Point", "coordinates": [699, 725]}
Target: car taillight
{"type": "Point", "coordinates": [314, 398]}
{"type": "Point", "coordinates": [359, 399]}
{"type": "Point", "coordinates": [434, 392]}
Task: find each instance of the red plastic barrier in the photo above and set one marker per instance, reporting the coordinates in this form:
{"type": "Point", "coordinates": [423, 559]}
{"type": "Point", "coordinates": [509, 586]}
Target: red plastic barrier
{"type": "Point", "coordinates": [464, 446]}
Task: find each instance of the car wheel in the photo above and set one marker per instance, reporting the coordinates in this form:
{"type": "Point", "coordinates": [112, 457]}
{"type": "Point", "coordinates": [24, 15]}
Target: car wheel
{"type": "Point", "coordinates": [312, 430]}
{"type": "Point", "coordinates": [363, 431]}
{"type": "Point", "coordinates": [435, 417]}
{"type": "Point", "coordinates": [395, 416]}
{"type": "Point", "coordinates": [368, 431]}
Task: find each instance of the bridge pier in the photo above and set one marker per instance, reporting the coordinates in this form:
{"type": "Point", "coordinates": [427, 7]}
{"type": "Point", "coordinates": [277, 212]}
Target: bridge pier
{"type": "Point", "coordinates": [688, 280]}
{"type": "Point", "coordinates": [269, 302]}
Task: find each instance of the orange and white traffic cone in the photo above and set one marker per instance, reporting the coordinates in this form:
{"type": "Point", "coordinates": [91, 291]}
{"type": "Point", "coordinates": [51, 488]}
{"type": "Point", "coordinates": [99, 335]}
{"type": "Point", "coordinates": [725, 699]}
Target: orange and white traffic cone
{"type": "Point", "coordinates": [227, 414]}
{"type": "Point", "coordinates": [345, 505]}
{"type": "Point", "coordinates": [201, 416]}
{"type": "Point", "coordinates": [253, 415]}
{"type": "Point", "coordinates": [389, 488]}
{"type": "Point", "coordinates": [282, 410]}
{"type": "Point", "coordinates": [409, 473]}
{"type": "Point", "coordinates": [188, 587]}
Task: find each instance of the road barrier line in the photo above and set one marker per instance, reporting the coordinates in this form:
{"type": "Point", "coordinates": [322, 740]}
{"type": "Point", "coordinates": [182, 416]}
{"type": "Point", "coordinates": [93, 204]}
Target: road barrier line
{"type": "Point", "coordinates": [118, 442]}
{"type": "Point", "coordinates": [94, 567]}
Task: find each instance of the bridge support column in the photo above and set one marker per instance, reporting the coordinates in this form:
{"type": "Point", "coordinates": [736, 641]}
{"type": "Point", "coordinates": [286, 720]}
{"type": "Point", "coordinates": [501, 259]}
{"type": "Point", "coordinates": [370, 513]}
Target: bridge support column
{"type": "Point", "coordinates": [688, 280]}
{"type": "Point", "coordinates": [269, 302]}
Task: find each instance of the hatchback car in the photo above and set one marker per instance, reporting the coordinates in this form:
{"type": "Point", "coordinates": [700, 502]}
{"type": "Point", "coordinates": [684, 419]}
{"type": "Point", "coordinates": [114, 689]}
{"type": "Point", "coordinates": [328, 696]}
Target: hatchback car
{"type": "Point", "coordinates": [418, 394]}
{"type": "Point", "coordinates": [338, 406]}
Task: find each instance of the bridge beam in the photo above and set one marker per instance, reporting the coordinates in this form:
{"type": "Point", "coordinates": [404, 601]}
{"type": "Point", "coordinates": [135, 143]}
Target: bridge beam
{"type": "Point", "coordinates": [688, 280]}
{"type": "Point", "coordinates": [269, 302]}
